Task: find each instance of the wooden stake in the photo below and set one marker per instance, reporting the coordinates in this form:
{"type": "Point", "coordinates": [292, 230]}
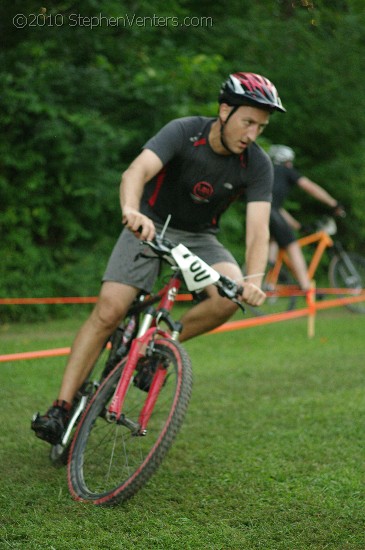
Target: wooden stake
{"type": "Point", "coordinates": [311, 303]}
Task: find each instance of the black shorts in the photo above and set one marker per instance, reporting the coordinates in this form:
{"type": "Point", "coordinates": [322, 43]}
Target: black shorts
{"type": "Point", "coordinates": [280, 230]}
{"type": "Point", "coordinates": [126, 266]}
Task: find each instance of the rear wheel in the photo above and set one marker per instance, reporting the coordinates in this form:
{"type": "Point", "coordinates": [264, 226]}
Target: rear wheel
{"type": "Point", "coordinates": [110, 461]}
{"type": "Point", "coordinates": [106, 361]}
{"type": "Point", "coordinates": [348, 271]}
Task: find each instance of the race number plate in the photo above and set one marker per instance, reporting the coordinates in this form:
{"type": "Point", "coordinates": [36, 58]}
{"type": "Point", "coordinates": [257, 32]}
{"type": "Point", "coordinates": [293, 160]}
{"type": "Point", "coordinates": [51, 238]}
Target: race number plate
{"type": "Point", "coordinates": [197, 274]}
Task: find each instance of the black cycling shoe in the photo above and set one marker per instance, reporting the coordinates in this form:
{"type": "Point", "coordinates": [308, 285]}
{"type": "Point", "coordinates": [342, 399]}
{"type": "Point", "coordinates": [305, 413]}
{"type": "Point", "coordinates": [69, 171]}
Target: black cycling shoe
{"type": "Point", "coordinates": [51, 426]}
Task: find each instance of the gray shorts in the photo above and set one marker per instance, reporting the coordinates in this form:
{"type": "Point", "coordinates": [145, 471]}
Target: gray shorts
{"type": "Point", "coordinates": [126, 266]}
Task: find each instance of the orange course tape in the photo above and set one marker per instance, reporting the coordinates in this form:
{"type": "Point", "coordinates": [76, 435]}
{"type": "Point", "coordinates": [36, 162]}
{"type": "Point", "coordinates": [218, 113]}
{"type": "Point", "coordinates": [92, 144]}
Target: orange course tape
{"type": "Point", "coordinates": [28, 301]}
{"type": "Point", "coordinates": [232, 325]}
{"type": "Point", "coordinates": [280, 291]}
{"type": "Point", "coordinates": [70, 300]}
{"type": "Point", "coordinates": [34, 354]}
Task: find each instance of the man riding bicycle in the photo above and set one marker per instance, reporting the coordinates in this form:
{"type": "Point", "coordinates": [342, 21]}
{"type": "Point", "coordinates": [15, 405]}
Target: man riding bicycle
{"type": "Point", "coordinates": [193, 169]}
{"type": "Point", "coordinates": [282, 224]}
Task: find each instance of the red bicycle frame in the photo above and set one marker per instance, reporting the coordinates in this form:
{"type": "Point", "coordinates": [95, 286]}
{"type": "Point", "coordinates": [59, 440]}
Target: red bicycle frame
{"type": "Point", "coordinates": [148, 332]}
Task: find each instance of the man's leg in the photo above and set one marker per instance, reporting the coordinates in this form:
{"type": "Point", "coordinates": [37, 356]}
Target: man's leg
{"type": "Point", "coordinates": [112, 306]}
{"type": "Point", "coordinates": [273, 251]}
{"type": "Point", "coordinates": [299, 264]}
{"type": "Point", "coordinates": [213, 311]}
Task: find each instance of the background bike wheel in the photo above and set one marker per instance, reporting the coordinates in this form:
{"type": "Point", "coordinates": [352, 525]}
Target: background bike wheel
{"type": "Point", "coordinates": [108, 463]}
{"type": "Point", "coordinates": [343, 276]}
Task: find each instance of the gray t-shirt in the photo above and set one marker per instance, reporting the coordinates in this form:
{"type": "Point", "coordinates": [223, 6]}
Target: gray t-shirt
{"type": "Point", "coordinates": [196, 185]}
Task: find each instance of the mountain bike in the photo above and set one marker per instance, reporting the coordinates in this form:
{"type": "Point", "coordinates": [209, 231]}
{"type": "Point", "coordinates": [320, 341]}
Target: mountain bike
{"type": "Point", "coordinates": [346, 270]}
{"type": "Point", "coordinates": [133, 417]}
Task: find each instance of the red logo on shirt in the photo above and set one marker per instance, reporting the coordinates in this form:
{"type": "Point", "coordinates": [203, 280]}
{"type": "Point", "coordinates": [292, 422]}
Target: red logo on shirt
{"type": "Point", "coordinates": [202, 191]}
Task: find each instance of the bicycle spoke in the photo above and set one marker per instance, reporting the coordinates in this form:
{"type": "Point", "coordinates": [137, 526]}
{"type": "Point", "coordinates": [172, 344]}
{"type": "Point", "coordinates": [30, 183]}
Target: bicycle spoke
{"type": "Point", "coordinates": [110, 461]}
{"type": "Point", "coordinates": [348, 271]}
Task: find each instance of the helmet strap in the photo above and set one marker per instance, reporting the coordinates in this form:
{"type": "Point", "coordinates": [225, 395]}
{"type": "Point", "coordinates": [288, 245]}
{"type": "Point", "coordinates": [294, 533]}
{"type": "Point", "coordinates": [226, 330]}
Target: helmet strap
{"type": "Point", "coordinates": [223, 124]}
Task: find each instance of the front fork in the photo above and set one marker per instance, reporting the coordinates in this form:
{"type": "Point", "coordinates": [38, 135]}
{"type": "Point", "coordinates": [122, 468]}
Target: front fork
{"type": "Point", "coordinates": [143, 346]}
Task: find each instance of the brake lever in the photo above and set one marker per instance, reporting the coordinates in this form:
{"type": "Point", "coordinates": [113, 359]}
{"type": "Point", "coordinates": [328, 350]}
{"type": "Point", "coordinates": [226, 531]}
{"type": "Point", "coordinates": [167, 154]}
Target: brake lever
{"type": "Point", "coordinates": [230, 295]}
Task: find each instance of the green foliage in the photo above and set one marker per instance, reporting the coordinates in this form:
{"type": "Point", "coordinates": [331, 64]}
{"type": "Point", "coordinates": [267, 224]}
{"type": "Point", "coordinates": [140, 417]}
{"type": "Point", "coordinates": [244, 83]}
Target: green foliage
{"type": "Point", "coordinates": [78, 102]}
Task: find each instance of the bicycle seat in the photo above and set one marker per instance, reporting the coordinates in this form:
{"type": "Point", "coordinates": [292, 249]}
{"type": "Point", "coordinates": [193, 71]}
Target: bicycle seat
{"type": "Point", "coordinates": [328, 225]}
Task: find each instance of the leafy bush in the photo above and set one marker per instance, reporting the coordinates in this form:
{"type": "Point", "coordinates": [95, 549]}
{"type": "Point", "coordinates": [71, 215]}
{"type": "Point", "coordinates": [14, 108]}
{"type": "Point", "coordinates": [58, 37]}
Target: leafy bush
{"type": "Point", "coordinates": [78, 103]}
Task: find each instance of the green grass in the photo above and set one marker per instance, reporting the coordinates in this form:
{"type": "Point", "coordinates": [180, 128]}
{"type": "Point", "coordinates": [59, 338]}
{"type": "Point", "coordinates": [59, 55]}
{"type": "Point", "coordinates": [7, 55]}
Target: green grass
{"type": "Point", "coordinates": [270, 456]}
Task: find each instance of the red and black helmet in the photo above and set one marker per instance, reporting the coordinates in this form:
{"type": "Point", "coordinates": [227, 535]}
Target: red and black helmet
{"type": "Point", "coordinates": [250, 89]}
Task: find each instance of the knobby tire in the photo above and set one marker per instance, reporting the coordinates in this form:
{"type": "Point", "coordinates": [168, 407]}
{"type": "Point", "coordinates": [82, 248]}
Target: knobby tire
{"type": "Point", "coordinates": [107, 463]}
{"type": "Point", "coordinates": [59, 454]}
{"type": "Point", "coordinates": [341, 277]}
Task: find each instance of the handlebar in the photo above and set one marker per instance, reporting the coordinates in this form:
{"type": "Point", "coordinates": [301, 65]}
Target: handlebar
{"type": "Point", "coordinates": [326, 224]}
{"type": "Point", "coordinates": [227, 287]}
{"type": "Point", "coordinates": [160, 246]}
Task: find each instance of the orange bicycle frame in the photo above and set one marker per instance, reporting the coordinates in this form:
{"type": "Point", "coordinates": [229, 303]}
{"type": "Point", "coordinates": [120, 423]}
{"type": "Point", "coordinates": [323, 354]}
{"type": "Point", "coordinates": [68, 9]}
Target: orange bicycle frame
{"type": "Point", "coordinates": [324, 241]}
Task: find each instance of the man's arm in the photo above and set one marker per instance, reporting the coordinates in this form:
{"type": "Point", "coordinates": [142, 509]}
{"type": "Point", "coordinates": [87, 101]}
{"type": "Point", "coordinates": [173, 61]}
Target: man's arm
{"type": "Point", "coordinates": [290, 219]}
{"type": "Point", "coordinates": [257, 246]}
{"type": "Point", "coordinates": [316, 191]}
{"type": "Point", "coordinates": [140, 171]}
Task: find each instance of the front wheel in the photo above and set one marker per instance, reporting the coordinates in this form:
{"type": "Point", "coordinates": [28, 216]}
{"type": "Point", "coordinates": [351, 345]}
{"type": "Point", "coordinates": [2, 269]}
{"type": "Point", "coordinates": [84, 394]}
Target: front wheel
{"type": "Point", "coordinates": [109, 462]}
{"type": "Point", "coordinates": [348, 271]}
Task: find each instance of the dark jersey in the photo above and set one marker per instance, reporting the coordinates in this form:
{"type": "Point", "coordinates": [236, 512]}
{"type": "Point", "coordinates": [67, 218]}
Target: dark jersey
{"type": "Point", "coordinates": [196, 185]}
{"type": "Point", "coordinates": [284, 180]}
